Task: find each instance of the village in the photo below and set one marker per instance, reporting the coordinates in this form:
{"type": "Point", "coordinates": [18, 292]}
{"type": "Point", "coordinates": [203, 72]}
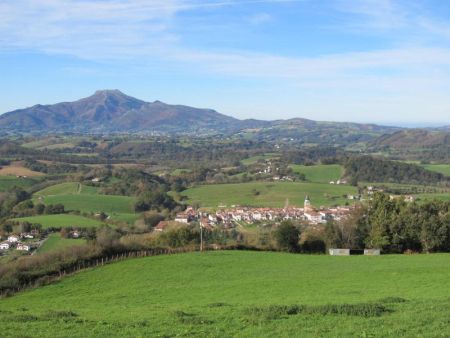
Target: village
{"type": "Point", "coordinates": [231, 217]}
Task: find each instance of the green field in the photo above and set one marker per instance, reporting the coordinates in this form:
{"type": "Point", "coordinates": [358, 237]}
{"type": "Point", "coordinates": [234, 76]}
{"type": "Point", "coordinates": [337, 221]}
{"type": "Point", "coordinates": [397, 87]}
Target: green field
{"type": "Point", "coordinates": [440, 168]}
{"type": "Point", "coordinates": [60, 221]}
{"type": "Point", "coordinates": [75, 196]}
{"type": "Point", "coordinates": [255, 159]}
{"type": "Point", "coordinates": [7, 182]}
{"type": "Point", "coordinates": [319, 173]}
{"type": "Point", "coordinates": [229, 294]}
{"type": "Point", "coordinates": [268, 194]}
{"type": "Point", "coordinates": [93, 203]}
{"type": "Point", "coordinates": [67, 188]}
{"type": "Point", "coordinates": [55, 242]}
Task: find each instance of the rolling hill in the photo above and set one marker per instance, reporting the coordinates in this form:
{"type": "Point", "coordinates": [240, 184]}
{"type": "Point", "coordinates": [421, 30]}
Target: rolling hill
{"type": "Point", "coordinates": [111, 111]}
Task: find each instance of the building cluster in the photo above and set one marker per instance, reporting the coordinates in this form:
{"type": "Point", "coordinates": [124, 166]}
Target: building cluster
{"type": "Point", "coordinates": [13, 241]}
{"type": "Point", "coordinates": [229, 217]}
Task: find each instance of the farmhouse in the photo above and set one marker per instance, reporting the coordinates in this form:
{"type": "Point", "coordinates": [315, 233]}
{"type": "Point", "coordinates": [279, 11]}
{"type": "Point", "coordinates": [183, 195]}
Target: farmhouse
{"type": "Point", "coordinates": [13, 239]}
{"type": "Point", "coordinates": [23, 247]}
{"type": "Point", "coordinates": [4, 246]}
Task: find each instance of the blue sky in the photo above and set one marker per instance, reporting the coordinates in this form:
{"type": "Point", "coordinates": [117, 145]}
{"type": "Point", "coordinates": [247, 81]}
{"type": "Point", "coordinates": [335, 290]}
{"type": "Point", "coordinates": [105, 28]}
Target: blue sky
{"type": "Point", "coordinates": [383, 61]}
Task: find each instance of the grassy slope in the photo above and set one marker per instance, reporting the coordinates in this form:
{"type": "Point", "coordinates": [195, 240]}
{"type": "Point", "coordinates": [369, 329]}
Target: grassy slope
{"type": "Point", "coordinates": [145, 297]}
{"type": "Point", "coordinates": [7, 182]}
{"type": "Point", "coordinates": [440, 168]}
{"type": "Point", "coordinates": [320, 173]}
{"type": "Point", "coordinates": [67, 188]}
{"type": "Point", "coordinates": [64, 220]}
{"type": "Point", "coordinates": [55, 242]}
{"type": "Point", "coordinates": [272, 194]}
{"type": "Point", "coordinates": [84, 198]}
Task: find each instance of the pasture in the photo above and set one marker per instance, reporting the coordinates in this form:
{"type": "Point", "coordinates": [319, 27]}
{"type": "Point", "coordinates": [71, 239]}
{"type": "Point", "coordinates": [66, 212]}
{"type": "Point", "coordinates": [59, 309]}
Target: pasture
{"type": "Point", "coordinates": [256, 158]}
{"type": "Point", "coordinates": [67, 188]}
{"type": "Point", "coordinates": [268, 194]}
{"type": "Point", "coordinates": [56, 242]}
{"type": "Point", "coordinates": [245, 294]}
{"type": "Point", "coordinates": [319, 173]}
{"type": "Point", "coordinates": [84, 198]}
{"type": "Point", "coordinates": [440, 168]}
{"type": "Point", "coordinates": [60, 221]}
{"type": "Point", "coordinates": [8, 182]}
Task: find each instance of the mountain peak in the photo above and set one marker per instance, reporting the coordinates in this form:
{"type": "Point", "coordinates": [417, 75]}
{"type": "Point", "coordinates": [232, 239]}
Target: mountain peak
{"type": "Point", "coordinates": [108, 92]}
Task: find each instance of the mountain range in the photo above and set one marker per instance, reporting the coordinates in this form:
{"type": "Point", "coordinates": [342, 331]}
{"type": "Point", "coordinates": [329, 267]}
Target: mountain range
{"type": "Point", "coordinates": [111, 111]}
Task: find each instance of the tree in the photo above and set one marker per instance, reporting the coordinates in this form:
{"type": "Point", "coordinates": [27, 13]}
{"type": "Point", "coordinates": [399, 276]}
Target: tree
{"type": "Point", "coordinates": [287, 236]}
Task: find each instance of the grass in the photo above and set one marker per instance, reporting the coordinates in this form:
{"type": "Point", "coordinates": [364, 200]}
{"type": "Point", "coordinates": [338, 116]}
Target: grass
{"type": "Point", "coordinates": [8, 182]}
{"type": "Point", "coordinates": [244, 294]}
{"type": "Point", "coordinates": [255, 159]}
{"type": "Point", "coordinates": [67, 188]}
{"type": "Point", "coordinates": [56, 242]}
{"type": "Point", "coordinates": [440, 168]}
{"type": "Point", "coordinates": [268, 194]}
{"type": "Point", "coordinates": [93, 203]}
{"type": "Point", "coordinates": [60, 221]}
{"type": "Point", "coordinates": [75, 196]}
{"type": "Point", "coordinates": [319, 173]}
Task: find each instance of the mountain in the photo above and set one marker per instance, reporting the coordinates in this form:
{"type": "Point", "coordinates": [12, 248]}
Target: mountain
{"type": "Point", "coordinates": [110, 111]}
{"type": "Point", "coordinates": [113, 111]}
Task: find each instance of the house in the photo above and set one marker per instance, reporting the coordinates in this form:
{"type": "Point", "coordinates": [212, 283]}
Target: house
{"type": "Point", "coordinates": [28, 236]}
{"type": "Point", "coordinates": [96, 180]}
{"type": "Point", "coordinates": [4, 246]}
{"type": "Point", "coordinates": [22, 247]}
{"type": "Point", "coordinates": [13, 239]}
{"type": "Point", "coordinates": [74, 234]}
{"type": "Point", "coordinates": [182, 218]}
{"type": "Point", "coordinates": [161, 226]}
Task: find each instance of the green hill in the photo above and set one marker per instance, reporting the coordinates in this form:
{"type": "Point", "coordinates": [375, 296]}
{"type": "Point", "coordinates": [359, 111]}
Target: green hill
{"type": "Point", "coordinates": [268, 194]}
{"type": "Point", "coordinates": [60, 221]}
{"type": "Point", "coordinates": [235, 293]}
{"type": "Point", "coordinates": [319, 173]}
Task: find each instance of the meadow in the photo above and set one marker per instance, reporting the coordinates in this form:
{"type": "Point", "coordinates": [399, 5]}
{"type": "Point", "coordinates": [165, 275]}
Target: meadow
{"type": "Point", "coordinates": [60, 221]}
{"type": "Point", "coordinates": [245, 294]}
{"type": "Point", "coordinates": [268, 194]}
{"type": "Point", "coordinates": [319, 173]}
{"type": "Point", "coordinates": [75, 196]}
{"type": "Point", "coordinates": [56, 242]}
{"type": "Point", "coordinates": [8, 182]}
{"type": "Point", "coordinates": [440, 168]}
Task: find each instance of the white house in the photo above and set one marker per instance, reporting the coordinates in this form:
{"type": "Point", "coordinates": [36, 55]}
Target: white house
{"type": "Point", "coordinates": [13, 239]}
{"type": "Point", "coordinates": [23, 247]}
{"type": "Point", "coordinates": [4, 246]}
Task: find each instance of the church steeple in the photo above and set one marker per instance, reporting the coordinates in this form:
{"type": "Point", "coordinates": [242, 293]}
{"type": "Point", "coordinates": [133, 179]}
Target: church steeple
{"type": "Point", "coordinates": [307, 203]}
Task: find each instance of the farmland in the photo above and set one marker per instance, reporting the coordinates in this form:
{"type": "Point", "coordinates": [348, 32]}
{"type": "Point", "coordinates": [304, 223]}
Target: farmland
{"type": "Point", "coordinates": [319, 173]}
{"type": "Point", "coordinates": [16, 169]}
{"type": "Point", "coordinates": [268, 194]}
{"type": "Point", "coordinates": [75, 196]}
{"type": "Point", "coordinates": [8, 182]}
{"type": "Point", "coordinates": [236, 293]}
{"type": "Point", "coordinates": [440, 168]}
{"type": "Point", "coordinates": [60, 221]}
{"type": "Point", "coordinates": [56, 242]}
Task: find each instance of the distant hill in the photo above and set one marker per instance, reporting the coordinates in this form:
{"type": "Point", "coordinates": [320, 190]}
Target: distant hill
{"type": "Point", "coordinates": [413, 138]}
{"type": "Point", "coordinates": [111, 111]}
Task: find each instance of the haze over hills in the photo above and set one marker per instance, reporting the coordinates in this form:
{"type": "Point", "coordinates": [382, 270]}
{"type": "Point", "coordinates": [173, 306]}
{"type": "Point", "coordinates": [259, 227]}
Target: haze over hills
{"type": "Point", "coordinates": [110, 111]}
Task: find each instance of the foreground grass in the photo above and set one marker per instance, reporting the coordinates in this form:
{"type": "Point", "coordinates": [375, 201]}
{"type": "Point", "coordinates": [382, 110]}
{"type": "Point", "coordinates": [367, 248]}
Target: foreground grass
{"type": "Point", "coordinates": [55, 242]}
{"type": "Point", "coordinates": [248, 294]}
{"type": "Point", "coordinates": [60, 221]}
{"type": "Point", "coordinates": [268, 194]}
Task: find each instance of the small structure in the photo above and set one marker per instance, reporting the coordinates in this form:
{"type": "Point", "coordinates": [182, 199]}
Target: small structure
{"type": "Point", "coordinates": [4, 246]}
{"type": "Point", "coordinates": [161, 226]}
{"type": "Point", "coordinates": [372, 252]}
{"type": "Point", "coordinates": [13, 239]}
{"type": "Point", "coordinates": [23, 247]}
{"type": "Point", "coordinates": [339, 252]}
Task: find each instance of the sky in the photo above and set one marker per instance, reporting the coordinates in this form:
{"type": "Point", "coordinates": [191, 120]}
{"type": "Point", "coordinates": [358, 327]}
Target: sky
{"type": "Point", "coordinates": [380, 61]}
